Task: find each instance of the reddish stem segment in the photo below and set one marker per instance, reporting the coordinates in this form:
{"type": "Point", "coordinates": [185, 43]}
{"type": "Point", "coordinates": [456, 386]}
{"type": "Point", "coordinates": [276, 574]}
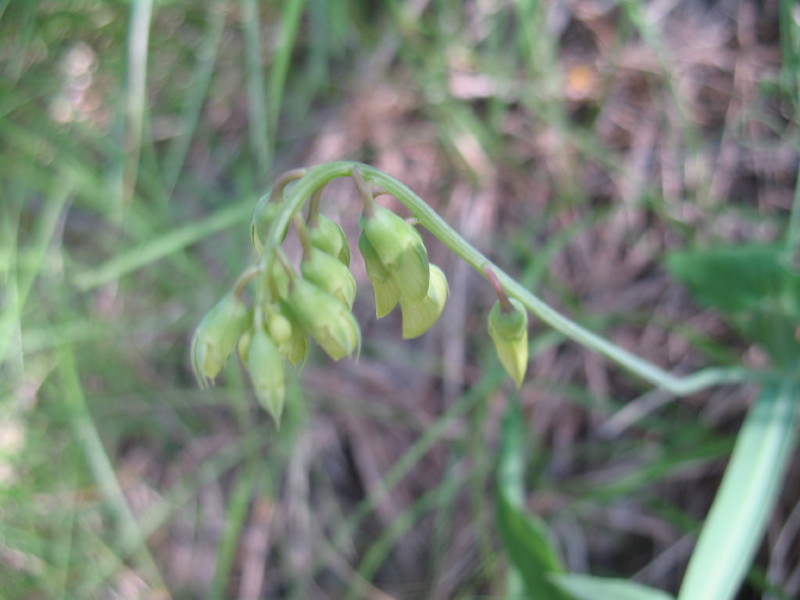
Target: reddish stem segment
{"type": "Point", "coordinates": [502, 297]}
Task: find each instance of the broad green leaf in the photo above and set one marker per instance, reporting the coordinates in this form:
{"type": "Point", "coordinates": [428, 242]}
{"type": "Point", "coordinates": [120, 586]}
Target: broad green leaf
{"type": "Point", "coordinates": [587, 587]}
{"type": "Point", "coordinates": [524, 536]}
{"type": "Point", "coordinates": [735, 279]}
{"type": "Point", "coordinates": [753, 286]}
{"type": "Point", "coordinates": [742, 507]}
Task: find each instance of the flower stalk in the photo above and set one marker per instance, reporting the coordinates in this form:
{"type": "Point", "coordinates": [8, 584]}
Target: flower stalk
{"type": "Point", "coordinates": [317, 301]}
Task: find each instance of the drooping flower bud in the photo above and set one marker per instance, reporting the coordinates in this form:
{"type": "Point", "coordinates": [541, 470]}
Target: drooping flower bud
{"type": "Point", "coordinates": [279, 327]}
{"type": "Point", "coordinates": [509, 332]}
{"type": "Point", "coordinates": [216, 337]}
{"type": "Point", "coordinates": [265, 365]}
{"type": "Point", "coordinates": [328, 321]}
{"type": "Point", "coordinates": [243, 347]}
{"type": "Point", "coordinates": [401, 251]}
{"type": "Point", "coordinates": [418, 318]}
{"type": "Point", "coordinates": [328, 273]}
{"type": "Point", "coordinates": [278, 280]}
{"type": "Point", "coordinates": [264, 214]}
{"type": "Point", "coordinates": [329, 237]}
{"type": "Point", "coordinates": [387, 294]}
{"type": "Point", "coordinates": [295, 349]}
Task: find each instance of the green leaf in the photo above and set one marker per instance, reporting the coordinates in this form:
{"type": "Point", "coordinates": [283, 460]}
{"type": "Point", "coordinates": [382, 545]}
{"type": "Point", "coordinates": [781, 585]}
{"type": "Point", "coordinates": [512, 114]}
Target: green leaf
{"type": "Point", "coordinates": [742, 507]}
{"type": "Point", "coordinates": [587, 587]}
{"type": "Point", "coordinates": [735, 279]}
{"type": "Point", "coordinates": [753, 286]}
{"type": "Point", "coordinates": [524, 536]}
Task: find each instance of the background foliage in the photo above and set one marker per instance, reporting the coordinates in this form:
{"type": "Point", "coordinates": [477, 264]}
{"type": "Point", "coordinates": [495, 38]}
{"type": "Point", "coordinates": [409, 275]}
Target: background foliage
{"type": "Point", "coordinates": [577, 143]}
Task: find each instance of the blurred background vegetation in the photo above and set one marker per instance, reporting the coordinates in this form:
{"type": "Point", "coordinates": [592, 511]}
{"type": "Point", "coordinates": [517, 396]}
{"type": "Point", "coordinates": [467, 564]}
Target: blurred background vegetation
{"type": "Point", "coordinates": [576, 143]}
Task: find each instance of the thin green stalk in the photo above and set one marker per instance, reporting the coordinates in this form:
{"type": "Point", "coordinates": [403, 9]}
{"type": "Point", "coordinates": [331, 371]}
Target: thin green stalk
{"type": "Point", "coordinates": [428, 218]}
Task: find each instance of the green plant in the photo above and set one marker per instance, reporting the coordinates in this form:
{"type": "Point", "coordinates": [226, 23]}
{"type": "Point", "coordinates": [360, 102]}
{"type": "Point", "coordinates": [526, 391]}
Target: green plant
{"type": "Point", "coordinates": [759, 293]}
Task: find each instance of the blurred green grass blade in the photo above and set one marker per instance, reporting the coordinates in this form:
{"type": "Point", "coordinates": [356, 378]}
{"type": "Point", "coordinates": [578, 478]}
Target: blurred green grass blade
{"type": "Point", "coordinates": [130, 537]}
{"type": "Point", "coordinates": [196, 95]}
{"type": "Point", "coordinates": [246, 485]}
{"type": "Point", "coordinates": [790, 47]}
{"type": "Point", "coordinates": [524, 536]}
{"type": "Point", "coordinates": [747, 494]}
{"type": "Point", "coordinates": [256, 96]}
{"type": "Point", "coordinates": [26, 261]}
{"type": "Point", "coordinates": [161, 247]}
{"type": "Point", "coordinates": [586, 587]}
{"type": "Point", "coordinates": [290, 23]}
{"type": "Point", "coordinates": [135, 99]}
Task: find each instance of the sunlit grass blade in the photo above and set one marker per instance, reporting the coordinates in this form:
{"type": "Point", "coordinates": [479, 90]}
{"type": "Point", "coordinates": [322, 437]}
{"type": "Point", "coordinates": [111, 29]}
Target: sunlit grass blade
{"type": "Point", "coordinates": [586, 587]}
{"type": "Point", "coordinates": [744, 502]}
{"type": "Point", "coordinates": [135, 100]}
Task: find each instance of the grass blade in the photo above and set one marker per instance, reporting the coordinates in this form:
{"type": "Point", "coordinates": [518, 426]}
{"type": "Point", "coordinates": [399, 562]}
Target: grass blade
{"type": "Point", "coordinates": [586, 587]}
{"type": "Point", "coordinates": [256, 98]}
{"type": "Point", "coordinates": [160, 247]}
{"type": "Point", "coordinates": [524, 536]}
{"type": "Point", "coordinates": [748, 492]}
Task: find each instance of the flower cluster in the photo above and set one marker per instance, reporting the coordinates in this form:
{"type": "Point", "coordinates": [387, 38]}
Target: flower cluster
{"type": "Point", "coordinates": [290, 305]}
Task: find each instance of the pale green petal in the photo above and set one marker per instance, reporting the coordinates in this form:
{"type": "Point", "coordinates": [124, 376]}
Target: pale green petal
{"type": "Point", "coordinates": [419, 317]}
{"type": "Point", "coordinates": [265, 366]}
{"type": "Point", "coordinates": [330, 274]}
{"type": "Point", "coordinates": [328, 321]}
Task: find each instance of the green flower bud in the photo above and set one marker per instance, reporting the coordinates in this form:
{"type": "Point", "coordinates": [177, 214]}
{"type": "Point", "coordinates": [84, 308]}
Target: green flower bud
{"type": "Point", "coordinates": [328, 321]}
{"type": "Point", "coordinates": [216, 337]}
{"type": "Point", "coordinates": [279, 327]}
{"type": "Point", "coordinates": [264, 214]}
{"type": "Point", "coordinates": [400, 250]}
{"type": "Point", "coordinates": [296, 348]}
{"type": "Point", "coordinates": [278, 280]}
{"type": "Point", "coordinates": [328, 273]}
{"type": "Point", "coordinates": [265, 365]}
{"type": "Point", "coordinates": [387, 294]}
{"type": "Point", "coordinates": [329, 237]}
{"type": "Point", "coordinates": [418, 318]}
{"type": "Point", "coordinates": [509, 332]}
{"type": "Point", "coordinates": [243, 347]}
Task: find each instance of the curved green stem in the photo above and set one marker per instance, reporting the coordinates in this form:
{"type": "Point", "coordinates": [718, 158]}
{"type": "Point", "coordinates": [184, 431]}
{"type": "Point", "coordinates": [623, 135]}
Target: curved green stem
{"type": "Point", "coordinates": [315, 177]}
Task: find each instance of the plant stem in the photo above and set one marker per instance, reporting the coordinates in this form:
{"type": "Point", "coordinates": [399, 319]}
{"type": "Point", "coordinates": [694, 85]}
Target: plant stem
{"type": "Point", "coordinates": [318, 176]}
{"type": "Point", "coordinates": [313, 207]}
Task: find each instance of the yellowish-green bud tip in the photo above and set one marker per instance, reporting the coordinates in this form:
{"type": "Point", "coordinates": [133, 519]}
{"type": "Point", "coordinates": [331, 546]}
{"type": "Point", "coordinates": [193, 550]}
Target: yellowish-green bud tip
{"type": "Point", "coordinates": [509, 332]}
{"type": "Point", "coordinates": [216, 336]}
{"type": "Point", "coordinates": [418, 318]}
{"type": "Point", "coordinates": [265, 365]}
